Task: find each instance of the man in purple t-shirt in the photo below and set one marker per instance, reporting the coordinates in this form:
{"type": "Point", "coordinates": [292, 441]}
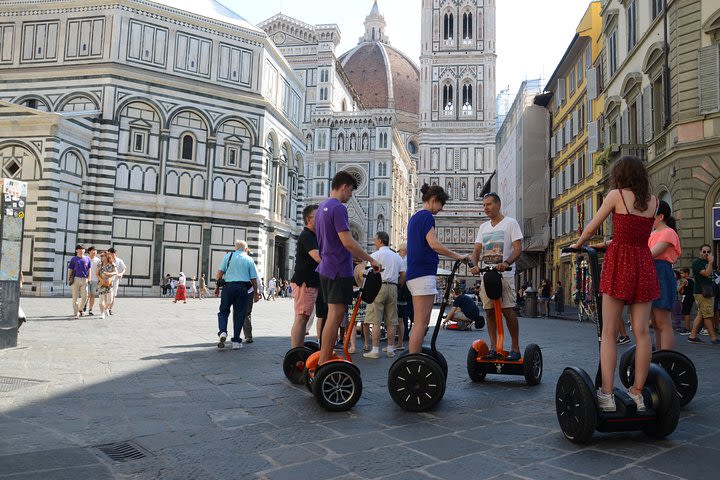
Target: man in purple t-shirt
{"type": "Point", "coordinates": [78, 273]}
{"type": "Point", "coordinates": [337, 247]}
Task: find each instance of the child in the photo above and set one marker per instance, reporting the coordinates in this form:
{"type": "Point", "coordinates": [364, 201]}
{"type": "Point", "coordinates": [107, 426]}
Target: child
{"type": "Point", "coordinates": [628, 275]}
{"type": "Point", "coordinates": [181, 289]}
{"type": "Point", "coordinates": [193, 287]}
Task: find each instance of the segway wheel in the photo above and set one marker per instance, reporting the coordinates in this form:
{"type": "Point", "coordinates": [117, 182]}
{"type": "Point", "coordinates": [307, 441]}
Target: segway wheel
{"type": "Point", "coordinates": [474, 371]}
{"type": "Point", "coordinates": [294, 364]}
{"type": "Point", "coordinates": [416, 382]}
{"type": "Point", "coordinates": [337, 386]}
{"type": "Point", "coordinates": [532, 364]}
{"type": "Point", "coordinates": [314, 346]}
{"type": "Point", "coordinates": [439, 357]}
{"type": "Point", "coordinates": [665, 401]}
{"type": "Point", "coordinates": [575, 406]}
{"type": "Point", "coordinates": [680, 368]}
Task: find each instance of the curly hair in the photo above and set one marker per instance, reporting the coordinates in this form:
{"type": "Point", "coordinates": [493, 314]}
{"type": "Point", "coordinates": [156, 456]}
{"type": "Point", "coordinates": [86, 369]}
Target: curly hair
{"type": "Point", "coordinates": [629, 172]}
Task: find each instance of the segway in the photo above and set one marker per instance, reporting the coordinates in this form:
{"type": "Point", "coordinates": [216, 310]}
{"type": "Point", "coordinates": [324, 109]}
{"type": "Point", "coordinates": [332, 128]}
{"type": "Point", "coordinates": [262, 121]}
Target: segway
{"type": "Point", "coordinates": [680, 368]}
{"type": "Point", "coordinates": [576, 402]}
{"type": "Point", "coordinates": [336, 384]}
{"type": "Point", "coordinates": [416, 381]}
{"type": "Point", "coordinates": [294, 361]}
{"type": "Point", "coordinates": [480, 364]}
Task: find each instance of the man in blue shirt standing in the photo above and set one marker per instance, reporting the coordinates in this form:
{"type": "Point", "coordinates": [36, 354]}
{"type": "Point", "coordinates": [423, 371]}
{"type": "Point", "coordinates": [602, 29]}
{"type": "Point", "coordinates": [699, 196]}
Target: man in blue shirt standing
{"type": "Point", "coordinates": [237, 270]}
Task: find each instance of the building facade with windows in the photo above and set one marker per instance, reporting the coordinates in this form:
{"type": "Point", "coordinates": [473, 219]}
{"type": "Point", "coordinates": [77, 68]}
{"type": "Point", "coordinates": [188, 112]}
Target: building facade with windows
{"type": "Point", "coordinates": [457, 111]}
{"type": "Point", "coordinates": [662, 103]}
{"type": "Point", "coordinates": [145, 125]}
{"type": "Point", "coordinates": [575, 102]}
{"type": "Point", "coordinates": [361, 115]}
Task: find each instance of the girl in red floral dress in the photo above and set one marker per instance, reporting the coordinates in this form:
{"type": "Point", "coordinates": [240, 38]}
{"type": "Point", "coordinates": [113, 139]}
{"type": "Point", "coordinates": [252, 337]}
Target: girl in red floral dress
{"type": "Point", "coordinates": [628, 275]}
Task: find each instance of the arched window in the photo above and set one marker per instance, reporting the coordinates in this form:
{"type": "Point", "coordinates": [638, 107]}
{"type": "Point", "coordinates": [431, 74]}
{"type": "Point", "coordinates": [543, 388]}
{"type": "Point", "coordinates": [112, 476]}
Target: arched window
{"type": "Point", "coordinates": [448, 27]}
{"type": "Point", "coordinates": [122, 176]}
{"type": "Point", "coordinates": [150, 180]}
{"type": "Point", "coordinates": [218, 191]}
{"type": "Point", "coordinates": [188, 147]}
{"type": "Point", "coordinates": [448, 97]}
{"type": "Point", "coordinates": [467, 26]}
{"type": "Point", "coordinates": [467, 94]}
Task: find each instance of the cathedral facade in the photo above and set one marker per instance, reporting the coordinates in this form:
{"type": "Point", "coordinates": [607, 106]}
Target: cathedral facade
{"type": "Point", "coordinates": [360, 116]}
{"type": "Point", "coordinates": [166, 129]}
{"type": "Point", "coordinates": [457, 111]}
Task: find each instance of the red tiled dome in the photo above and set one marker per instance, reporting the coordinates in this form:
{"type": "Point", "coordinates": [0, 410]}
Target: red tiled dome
{"type": "Point", "coordinates": [380, 74]}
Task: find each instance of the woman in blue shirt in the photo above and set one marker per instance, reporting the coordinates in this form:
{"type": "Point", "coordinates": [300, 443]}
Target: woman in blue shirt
{"type": "Point", "coordinates": [423, 248]}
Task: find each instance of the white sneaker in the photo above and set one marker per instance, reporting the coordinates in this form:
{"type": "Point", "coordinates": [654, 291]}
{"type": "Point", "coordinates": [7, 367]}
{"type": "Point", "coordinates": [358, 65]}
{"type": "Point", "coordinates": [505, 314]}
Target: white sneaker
{"type": "Point", "coordinates": [704, 332]}
{"type": "Point", "coordinates": [390, 353]}
{"type": "Point", "coordinates": [223, 337]}
{"type": "Point", "coordinates": [638, 399]}
{"type": "Point", "coordinates": [236, 345]}
{"type": "Point", "coordinates": [606, 401]}
{"type": "Point", "coordinates": [371, 354]}
{"type": "Point", "coordinates": [102, 315]}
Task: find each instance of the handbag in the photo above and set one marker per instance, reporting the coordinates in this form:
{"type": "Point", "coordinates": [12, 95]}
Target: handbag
{"type": "Point", "coordinates": [105, 282]}
{"type": "Point", "coordinates": [220, 283]}
{"type": "Point", "coordinates": [707, 290]}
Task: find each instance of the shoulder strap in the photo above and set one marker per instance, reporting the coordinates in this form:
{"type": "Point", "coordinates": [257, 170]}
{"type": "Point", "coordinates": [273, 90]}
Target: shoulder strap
{"type": "Point", "coordinates": [228, 262]}
{"type": "Point", "coordinates": [623, 199]}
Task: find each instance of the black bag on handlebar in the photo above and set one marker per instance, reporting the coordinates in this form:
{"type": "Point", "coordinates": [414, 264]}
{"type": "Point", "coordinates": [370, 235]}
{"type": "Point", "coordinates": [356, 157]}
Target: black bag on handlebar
{"type": "Point", "coordinates": [493, 284]}
{"type": "Point", "coordinates": [371, 287]}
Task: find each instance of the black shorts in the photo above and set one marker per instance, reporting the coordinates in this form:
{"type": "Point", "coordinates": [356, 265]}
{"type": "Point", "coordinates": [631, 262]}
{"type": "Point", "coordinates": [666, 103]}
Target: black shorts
{"type": "Point", "coordinates": [321, 309]}
{"type": "Point", "coordinates": [338, 290]}
{"type": "Point", "coordinates": [687, 306]}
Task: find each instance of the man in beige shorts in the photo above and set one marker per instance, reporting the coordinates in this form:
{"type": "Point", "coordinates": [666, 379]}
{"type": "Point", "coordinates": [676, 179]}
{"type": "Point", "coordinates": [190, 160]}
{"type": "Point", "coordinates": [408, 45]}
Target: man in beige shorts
{"type": "Point", "coordinates": [499, 243]}
{"type": "Point", "coordinates": [385, 304]}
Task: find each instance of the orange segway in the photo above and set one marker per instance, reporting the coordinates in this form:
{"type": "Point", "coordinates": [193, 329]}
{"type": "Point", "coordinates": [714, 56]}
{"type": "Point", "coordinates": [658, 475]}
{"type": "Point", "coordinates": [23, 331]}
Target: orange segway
{"type": "Point", "coordinates": [479, 363]}
{"type": "Point", "coordinates": [336, 384]}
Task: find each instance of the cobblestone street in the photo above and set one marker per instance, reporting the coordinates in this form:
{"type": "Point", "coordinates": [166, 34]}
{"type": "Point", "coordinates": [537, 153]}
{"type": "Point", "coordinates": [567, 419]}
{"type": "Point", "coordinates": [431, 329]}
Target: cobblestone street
{"type": "Point", "coordinates": [152, 376]}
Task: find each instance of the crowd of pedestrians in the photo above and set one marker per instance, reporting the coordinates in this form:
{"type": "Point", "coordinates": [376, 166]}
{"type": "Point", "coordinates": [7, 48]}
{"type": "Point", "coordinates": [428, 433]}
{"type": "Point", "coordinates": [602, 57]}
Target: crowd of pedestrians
{"type": "Point", "coordinates": [91, 277]}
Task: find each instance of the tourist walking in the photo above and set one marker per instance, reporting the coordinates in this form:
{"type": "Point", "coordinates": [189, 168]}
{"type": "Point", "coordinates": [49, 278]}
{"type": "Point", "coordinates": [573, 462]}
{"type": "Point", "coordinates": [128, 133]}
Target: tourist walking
{"type": "Point", "coordinates": [92, 278]}
{"type": "Point", "coordinates": [272, 289]}
{"type": "Point", "coordinates": [181, 289]}
{"type": "Point", "coordinates": [78, 272]}
{"type": "Point", "coordinates": [121, 269]}
{"type": "Point", "coordinates": [203, 287]}
{"type": "Point", "coordinates": [236, 274]}
{"type": "Point", "coordinates": [702, 269]}
{"type": "Point", "coordinates": [628, 274]}
{"type": "Point", "coordinates": [422, 261]}
{"type": "Point", "coordinates": [105, 274]}
{"type": "Point", "coordinates": [247, 324]}
{"type": "Point", "coordinates": [559, 299]}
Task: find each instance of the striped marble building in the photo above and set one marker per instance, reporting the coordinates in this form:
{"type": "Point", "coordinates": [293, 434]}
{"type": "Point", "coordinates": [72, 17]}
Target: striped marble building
{"type": "Point", "coordinates": [166, 128]}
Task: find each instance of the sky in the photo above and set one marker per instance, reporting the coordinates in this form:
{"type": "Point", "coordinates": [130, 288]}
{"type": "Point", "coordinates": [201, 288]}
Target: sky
{"type": "Point", "coordinates": [532, 35]}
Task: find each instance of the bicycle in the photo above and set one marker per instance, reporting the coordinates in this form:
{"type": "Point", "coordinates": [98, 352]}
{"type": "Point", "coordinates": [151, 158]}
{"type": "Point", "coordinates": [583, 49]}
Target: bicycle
{"type": "Point", "coordinates": [586, 306]}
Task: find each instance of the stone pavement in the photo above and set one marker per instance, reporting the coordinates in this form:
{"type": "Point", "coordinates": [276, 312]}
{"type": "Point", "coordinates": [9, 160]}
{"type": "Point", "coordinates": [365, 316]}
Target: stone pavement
{"type": "Point", "coordinates": [152, 378]}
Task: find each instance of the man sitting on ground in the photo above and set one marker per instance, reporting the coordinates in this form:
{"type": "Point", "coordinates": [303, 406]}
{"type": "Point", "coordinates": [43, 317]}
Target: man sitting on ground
{"type": "Point", "coordinates": [464, 312]}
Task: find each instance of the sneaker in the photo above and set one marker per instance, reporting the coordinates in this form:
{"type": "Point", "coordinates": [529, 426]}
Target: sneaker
{"type": "Point", "coordinates": [351, 350]}
{"type": "Point", "coordinates": [249, 340]}
{"type": "Point", "coordinates": [371, 354]}
{"type": "Point", "coordinates": [623, 340]}
{"type": "Point", "coordinates": [76, 316]}
{"type": "Point", "coordinates": [684, 332]}
{"type": "Point", "coordinates": [694, 340]}
{"type": "Point", "coordinates": [223, 337]}
{"type": "Point", "coordinates": [102, 315]}
{"type": "Point", "coordinates": [606, 401]}
{"type": "Point", "coordinates": [491, 355]}
{"type": "Point", "coordinates": [90, 313]}
{"type": "Point", "coordinates": [704, 332]}
{"type": "Point", "coordinates": [390, 353]}
{"type": "Point", "coordinates": [638, 399]}
{"type": "Point", "coordinates": [400, 347]}
{"type": "Point", "coordinates": [236, 345]}
{"type": "Point", "coordinates": [110, 312]}
{"type": "Point", "coordinates": [513, 357]}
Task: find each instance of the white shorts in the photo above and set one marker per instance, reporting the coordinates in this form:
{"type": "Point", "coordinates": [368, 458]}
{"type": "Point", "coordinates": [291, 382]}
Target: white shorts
{"type": "Point", "coordinates": [426, 285]}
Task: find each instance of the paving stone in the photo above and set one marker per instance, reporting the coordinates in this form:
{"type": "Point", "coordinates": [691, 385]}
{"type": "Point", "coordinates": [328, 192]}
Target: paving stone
{"type": "Point", "coordinates": [447, 447]}
{"type": "Point", "coordinates": [590, 462]}
{"type": "Point", "coordinates": [94, 472]}
{"type": "Point", "coordinates": [317, 470]}
{"type": "Point", "coordinates": [525, 453]}
{"type": "Point", "coordinates": [639, 473]}
{"type": "Point", "coordinates": [383, 461]}
{"type": "Point", "coordinates": [292, 454]}
{"type": "Point", "coordinates": [505, 433]}
{"type": "Point", "coordinates": [417, 431]}
{"type": "Point", "coordinates": [475, 466]}
{"type": "Point", "coordinates": [686, 461]}
{"type": "Point", "coordinates": [358, 443]}
{"type": "Point", "coordinates": [543, 471]}
{"type": "Point", "coordinates": [304, 434]}
{"type": "Point", "coordinates": [46, 460]}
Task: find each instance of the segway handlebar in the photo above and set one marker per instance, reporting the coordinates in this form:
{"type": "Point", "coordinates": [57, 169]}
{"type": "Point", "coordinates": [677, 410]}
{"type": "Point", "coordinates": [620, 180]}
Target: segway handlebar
{"type": "Point", "coordinates": [489, 268]}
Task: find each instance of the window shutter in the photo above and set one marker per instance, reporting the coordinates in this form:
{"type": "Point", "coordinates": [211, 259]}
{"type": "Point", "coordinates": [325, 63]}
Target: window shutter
{"type": "Point", "coordinates": [709, 79]}
{"type": "Point", "coordinates": [588, 211]}
{"type": "Point", "coordinates": [639, 125]}
{"type": "Point", "coordinates": [625, 128]}
{"type": "Point", "coordinates": [588, 163]}
{"type": "Point", "coordinates": [576, 122]}
{"type": "Point", "coordinates": [568, 177]}
{"type": "Point", "coordinates": [553, 187]}
{"type": "Point", "coordinates": [606, 132]}
{"type": "Point", "coordinates": [552, 147]}
{"type": "Point", "coordinates": [593, 137]}
{"type": "Point", "coordinates": [647, 114]}
{"type": "Point", "coordinates": [568, 131]}
{"type": "Point", "coordinates": [592, 83]}
{"type": "Point", "coordinates": [561, 90]}
{"type": "Point", "coordinates": [577, 170]}
{"type": "Point", "coordinates": [567, 220]}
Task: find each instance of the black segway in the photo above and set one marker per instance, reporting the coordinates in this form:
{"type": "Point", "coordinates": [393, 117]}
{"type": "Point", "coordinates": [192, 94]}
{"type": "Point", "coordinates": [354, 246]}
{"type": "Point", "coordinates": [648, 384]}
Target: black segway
{"type": "Point", "coordinates": [679, 366]}
{"type": "Point", "coordinates": [479, 364]}
{"type": "Point", "coordinates": [576, 402]}
{"type": "Point", "coordinates": [416, 381]}
{"type": "Point", "coordinates": [294, 361]}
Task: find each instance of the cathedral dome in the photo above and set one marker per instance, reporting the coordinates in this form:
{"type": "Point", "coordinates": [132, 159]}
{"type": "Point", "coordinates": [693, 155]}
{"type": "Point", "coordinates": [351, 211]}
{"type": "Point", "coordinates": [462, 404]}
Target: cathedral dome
{"type": "Point", "coordinates": [382, 76]}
